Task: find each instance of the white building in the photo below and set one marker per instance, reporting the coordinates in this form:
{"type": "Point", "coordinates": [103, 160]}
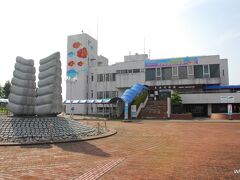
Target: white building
{"type": "Point", "coordinates": [93, 78]}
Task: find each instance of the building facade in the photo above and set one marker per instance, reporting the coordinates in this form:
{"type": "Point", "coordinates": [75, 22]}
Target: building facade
{"type": "Point", "coordinates": [91, 77]}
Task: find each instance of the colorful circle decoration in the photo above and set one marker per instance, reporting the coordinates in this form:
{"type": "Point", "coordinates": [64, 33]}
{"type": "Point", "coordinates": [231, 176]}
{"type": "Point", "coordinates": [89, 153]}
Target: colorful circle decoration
{"type": "Point", "coordinates": [80, 63]}
{"type": "Point", "coordinates": [71, 73]}
{"type": "Point", "coordinates": [82, 53]}
{"type": "Point", "coordinates": [71, 54]}
{"type": "Point", "coordinates": [76, 44]}
{"type": "Point", "coordinates": [71, 63]}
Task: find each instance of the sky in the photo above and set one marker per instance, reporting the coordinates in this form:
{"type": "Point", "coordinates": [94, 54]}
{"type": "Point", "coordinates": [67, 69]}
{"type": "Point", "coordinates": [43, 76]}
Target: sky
{"type": "Point", "coordinates": [169, 28]}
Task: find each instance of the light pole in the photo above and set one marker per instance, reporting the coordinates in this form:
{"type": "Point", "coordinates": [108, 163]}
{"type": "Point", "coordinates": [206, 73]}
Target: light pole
{"type": "Point", "coordinates": [71, 81]}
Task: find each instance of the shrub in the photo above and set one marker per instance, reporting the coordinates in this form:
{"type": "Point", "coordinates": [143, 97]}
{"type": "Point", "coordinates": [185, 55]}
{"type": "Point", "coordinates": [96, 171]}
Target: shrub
{"type": "Point", "coordinates": [176, 98]}
{"type": "Point", "coordinates": [140, 99]}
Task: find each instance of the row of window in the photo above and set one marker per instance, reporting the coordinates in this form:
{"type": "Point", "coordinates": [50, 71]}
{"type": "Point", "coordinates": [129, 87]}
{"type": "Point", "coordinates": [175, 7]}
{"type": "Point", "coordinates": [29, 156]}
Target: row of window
{"type": "Point", "coordinates": [112, 76]}
{"type": "Point", "coordinates": [106, 94]}
{"type": "Point", "coordinates": [126, 71]}
{"type": "Point", "coordinates": [182, 72]}
{"type": "Point", "coordinates": [106, 77]}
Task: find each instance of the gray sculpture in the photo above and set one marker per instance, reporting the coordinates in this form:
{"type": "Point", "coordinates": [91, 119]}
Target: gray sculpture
{"type": "Point", "coordinates": [22, 95]}
{"type": "Point", "coordinates": [23, 98]}
{"type": "Point", "coordinates": [49, 93]}
{"type": "Point", "coordinates": [40, 105]}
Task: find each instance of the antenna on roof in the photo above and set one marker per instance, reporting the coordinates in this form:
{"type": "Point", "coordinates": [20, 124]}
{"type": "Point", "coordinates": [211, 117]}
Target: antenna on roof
{"type": "Point", "coordinates": [149, 53]}
{"type": "Point", "coordinates": [97, 34]}
{"type": "Point", "coordinates": [144, 44]}
{"type": "Point", "coordinates": [97, 28]}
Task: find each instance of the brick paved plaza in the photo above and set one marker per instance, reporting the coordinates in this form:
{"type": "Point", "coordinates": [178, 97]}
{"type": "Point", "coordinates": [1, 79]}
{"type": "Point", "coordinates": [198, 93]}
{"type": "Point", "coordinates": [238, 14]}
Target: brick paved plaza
{"type": "Point", "coordinates": [143, 150]}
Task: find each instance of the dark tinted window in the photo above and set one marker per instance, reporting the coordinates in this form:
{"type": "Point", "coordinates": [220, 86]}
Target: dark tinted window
{"type": "Point", "coordinates": [124, 71]}
{"type": "Point", "coordinates": [113, 76]}
{"type": "Point", "coordinates": [130, 71]}
{"type": "Point", "coordinates": [198, 71]}
{"type": "Point", "coordinates": [214, 70]}
{"type": "Point", "coordinates": [182, 72]}
{"type": "Point", "coordinates": [150, 74]}
{"type": "Point", "coordinates": [136, 70]}
{"type": "Point", "coordinates": [167, 73]}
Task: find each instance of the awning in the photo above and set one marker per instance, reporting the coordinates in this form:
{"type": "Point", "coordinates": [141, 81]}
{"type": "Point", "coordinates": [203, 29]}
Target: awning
{"type": "Point", "coordinates": [223, 87]}
{"type": "Point", "coordinates": [130, 94]}
{"type": "Point", "coordinates": [4, 101]}
{"type": "Point", "coordinates": [88, 101]}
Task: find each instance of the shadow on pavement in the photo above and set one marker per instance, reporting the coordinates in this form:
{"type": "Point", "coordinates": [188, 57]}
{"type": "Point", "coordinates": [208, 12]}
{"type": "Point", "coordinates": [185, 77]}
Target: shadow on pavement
{"type": "Point", "coordinates": [83, 147]}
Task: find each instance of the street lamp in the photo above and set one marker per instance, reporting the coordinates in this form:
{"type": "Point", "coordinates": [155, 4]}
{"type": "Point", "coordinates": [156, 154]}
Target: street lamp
{"type": "Point", "coordinates": [71, 81]}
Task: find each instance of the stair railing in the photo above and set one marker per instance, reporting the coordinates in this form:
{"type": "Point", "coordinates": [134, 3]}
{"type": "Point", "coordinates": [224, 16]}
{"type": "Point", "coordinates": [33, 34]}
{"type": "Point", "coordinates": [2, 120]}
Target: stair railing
{"type": "Point", "coordinates": [142, 105]}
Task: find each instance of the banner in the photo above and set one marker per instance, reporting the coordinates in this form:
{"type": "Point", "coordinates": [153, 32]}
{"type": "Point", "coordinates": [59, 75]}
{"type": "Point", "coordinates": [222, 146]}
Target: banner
{"type": "Point", "coordinates": [133, 111]}
{"type": "Point", "coordinates": [126, 111]}
{"type": "Point", "coordinates": [170, 62]}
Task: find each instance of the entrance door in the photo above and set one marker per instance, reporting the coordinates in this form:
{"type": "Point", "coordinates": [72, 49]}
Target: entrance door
{"type": "Point", "coordinates": [198, 110]}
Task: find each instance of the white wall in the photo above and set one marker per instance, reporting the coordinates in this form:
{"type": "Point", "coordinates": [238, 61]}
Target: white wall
{"type": "Point", "coordinates": [80, 88]}
{"type": "Point", "coordinates": [207, 98]}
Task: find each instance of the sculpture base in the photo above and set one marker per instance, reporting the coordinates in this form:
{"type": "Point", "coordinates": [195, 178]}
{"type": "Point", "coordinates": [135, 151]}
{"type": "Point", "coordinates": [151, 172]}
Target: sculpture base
{"type": "Point", "coordinates": [39, 130]}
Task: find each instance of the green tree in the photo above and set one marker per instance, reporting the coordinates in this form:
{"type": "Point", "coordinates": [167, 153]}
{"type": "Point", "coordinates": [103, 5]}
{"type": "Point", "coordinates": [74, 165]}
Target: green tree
{"type": "Point", "coordinates": [6, 89]}
{"type": "Point", "coordinates": [176, 98]}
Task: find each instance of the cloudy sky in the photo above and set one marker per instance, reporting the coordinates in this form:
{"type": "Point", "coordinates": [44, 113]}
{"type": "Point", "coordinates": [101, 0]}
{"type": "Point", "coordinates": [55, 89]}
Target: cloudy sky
{"type": "Point", "coordinates": [171, 28]}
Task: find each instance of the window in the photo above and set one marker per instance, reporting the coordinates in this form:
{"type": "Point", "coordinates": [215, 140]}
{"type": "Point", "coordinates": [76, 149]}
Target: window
{"type": "Point", "coordinates": [100, 77]}
{"type": "Point", "coordinates": [206, 73]}
{"type": "Point", "coordinates": [113, 94]}
{"type": "Point", "coordinates": [182, 72]}
{"type": "Point", "coordinates": [198, 71]}
{"type": "Point", "coordinates": [99, 109]}
{"type": "Point", "coordinates": [219, 108]}
{"type": "Point", "coordinates": [113, 76]}
{"type": "Point", "coordinates": [107, 77]}
{"type": "Point", "coordinates": [99, 63]}
{"type": "Point", "coordinates": [175, 71]}
{"type": "Point", "coordinates": [107, 94]}
{"type": "Point", "coordinates": [190, 70]}
{"type": "Point", "coordinates": [100, 95]}
{"type": "Point", "coordinates": [136, 70]}
{"type": "Point", "coordinates": [130, 71]}
{"type": "Point", "coordinates": [124, 71]}
{"type": "Point", "coordinates": [150, 74]}
{"type": "Point", "coordinates": [158, 72]}
{"type": "Point", "coordinates": [91, 93]}
{"type": "Point", "coordinates": [167, 73]}
{"type": "Point", "coordinates": [206, 69]}
{"type": "Point", "coordinates": [214, 70]}
{"type": "Point", "coordinates": [118, 72]}
{"type": "Point", "coordinates": [92, 77]}
{"type": "Point", "coordinates": [93, 62]}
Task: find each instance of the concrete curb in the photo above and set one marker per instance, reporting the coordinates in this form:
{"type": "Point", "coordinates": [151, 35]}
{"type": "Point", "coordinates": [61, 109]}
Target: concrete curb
{"type": "Point", "coordinates": [110, 132]}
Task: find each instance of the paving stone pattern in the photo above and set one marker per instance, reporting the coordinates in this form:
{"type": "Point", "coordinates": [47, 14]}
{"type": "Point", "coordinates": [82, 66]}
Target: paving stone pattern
{"type": "Point", "coordinates": [151, 149]}
{"type": "Point", "coordinates": [28, 130]}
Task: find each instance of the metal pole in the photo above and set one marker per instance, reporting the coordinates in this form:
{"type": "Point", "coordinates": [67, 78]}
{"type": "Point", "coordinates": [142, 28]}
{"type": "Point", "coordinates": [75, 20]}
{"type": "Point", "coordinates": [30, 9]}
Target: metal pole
{"type": "Point", "coordinates": [98, 128]}
{"type": "Point", "coordinates": [105, 124]}
{"type": "Point", "coordinates": [70, 99]}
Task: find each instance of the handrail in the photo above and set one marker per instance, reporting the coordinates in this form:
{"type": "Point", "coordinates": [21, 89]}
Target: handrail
{"type": "Point", "coordinates": [142, 105]}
